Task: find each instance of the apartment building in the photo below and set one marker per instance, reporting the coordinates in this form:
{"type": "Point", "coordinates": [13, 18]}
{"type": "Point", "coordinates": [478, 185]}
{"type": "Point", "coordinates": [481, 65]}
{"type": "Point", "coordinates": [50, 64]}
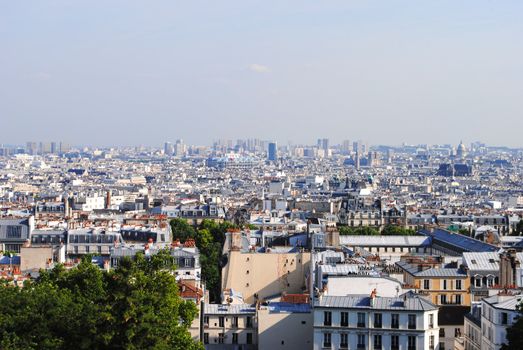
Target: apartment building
{"type": "Point", "coordinates": [498, 313]}
{"type": "Point", "coordinates": [443, 286]}
{"type": "Point", "coordinates": [448, 288]}
{"type": "Point", "coordinates": [15, 232]}
{"type": "Point", "coordinates": [483, 269]}
{"type": "Point", "coordinates": [91, 241]}
{"type": "Point", "coordinates": [472, 327]}
{"type": "Point", "coordinates": [230, 327]}
{"type": "Point", "coordinates": [285, 325]}
{"type": "Point", "coordinates": [363, 322]}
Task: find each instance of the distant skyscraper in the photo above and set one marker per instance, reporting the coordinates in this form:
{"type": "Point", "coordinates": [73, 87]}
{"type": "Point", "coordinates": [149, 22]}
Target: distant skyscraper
{"type": "Point", "coordinates": [168, 149]}
{"type": "Point", "coordinates": [325, 144]}
{"type": "Point", "coordinates": [179, 148]}
{"type": "Point", "coordinates": [346, 146]}
{"type": "Point", "coordinates": [272, 154]}
{"type": "Point", "coordinates": [31, 148]}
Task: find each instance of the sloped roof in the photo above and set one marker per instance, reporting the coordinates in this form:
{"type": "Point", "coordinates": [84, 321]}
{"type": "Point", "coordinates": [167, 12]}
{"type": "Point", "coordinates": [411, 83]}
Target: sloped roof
{"type": "Point", "coordinates": [381, 303]}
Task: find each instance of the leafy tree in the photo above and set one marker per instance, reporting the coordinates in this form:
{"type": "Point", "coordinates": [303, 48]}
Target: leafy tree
{"type": "Point", "coordinates": [464, 231]}
{"type": "Point", "coordinates": [209, 237]}
{"type": "Point", "coordinates": [391, 230]}
{"type": "Point", "coordinates": [182, 230]}
{"type": "Point", "coordinates": [519, 228]}
{"type": "Point", "coordinates": [204, 239]}
{"type": "Point", "coordinates": [135, 306]}
{"type": "Point", "coordinates": [358, 231]}
{"type": "Point", "coordinates": [515, 333]}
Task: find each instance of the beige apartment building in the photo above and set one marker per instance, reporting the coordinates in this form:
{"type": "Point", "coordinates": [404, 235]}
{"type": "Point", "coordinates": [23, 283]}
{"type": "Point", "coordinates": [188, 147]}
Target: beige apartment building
{"type": "Point", "coordinates": [285, 326]}
{"type": "Point", "coordinates": [258, 276]}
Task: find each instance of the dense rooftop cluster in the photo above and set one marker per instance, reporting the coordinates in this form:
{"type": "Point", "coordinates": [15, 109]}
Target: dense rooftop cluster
{"type": "Point", "coordinates": [342, 246]}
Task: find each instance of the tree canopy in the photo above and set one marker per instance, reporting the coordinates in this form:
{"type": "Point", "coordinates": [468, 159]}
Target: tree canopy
{"type": "Point", "coordinates": [209, 237]}
{"type": "Point", "coordinates": [135, 306]}
{"type": "Point", "coordinates": [389, 230]}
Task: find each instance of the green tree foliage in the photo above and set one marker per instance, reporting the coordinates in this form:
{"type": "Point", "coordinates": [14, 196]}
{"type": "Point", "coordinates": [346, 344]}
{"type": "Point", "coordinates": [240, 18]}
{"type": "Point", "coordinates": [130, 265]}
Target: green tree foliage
{"type": "Point", "coordinates": [519, 229]}
{"type": "Point", "coordinates": [391, 230]}
{"type": "Point", "coordinates": [135, 306]}
{"type": "Point", "coordinates": [358, 231]}
{"type": "Point", "coordinates": [209, 237]}
{"type": "Point", "coordinates": [464, 231]}
{"type": "Point", "coordinates": [182, 230]}
{"type": "Point", "coordinates": [515, 333]}
{"type": "Point", "coordinates": [211, 253]}
{"type": "Point", "coordinates": [388, 230]}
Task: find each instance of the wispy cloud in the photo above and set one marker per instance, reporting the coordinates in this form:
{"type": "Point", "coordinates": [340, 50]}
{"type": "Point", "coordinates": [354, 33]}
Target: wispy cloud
{"type": "Point", "coordinates": [258, 68]}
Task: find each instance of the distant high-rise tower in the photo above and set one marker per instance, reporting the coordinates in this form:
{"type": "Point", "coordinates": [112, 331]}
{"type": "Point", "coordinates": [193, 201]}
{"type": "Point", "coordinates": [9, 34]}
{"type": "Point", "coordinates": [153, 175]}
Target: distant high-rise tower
{"type": "Point", "coordinates": [272, 152]}
{"type": "Point", "coordinates": [179, 148]}
{"type": "Point", "coordinates": [325, 144]}
{"type": "Point", "coordinates": [168, 149]}
{"type": "Point", "coordinates": [346, 146]}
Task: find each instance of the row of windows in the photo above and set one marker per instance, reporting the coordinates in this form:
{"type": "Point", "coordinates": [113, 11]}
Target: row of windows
{"type": "Point", "coordinates": [92, 238]}
{"type": "Point", "coordinates": [450, 300]}
{"type": "Point", "coordinates": [377, 320]}
{"type": "Point", "coordinates": [234, 321]}
{"type": "Point", "coordinates": [445, 284]}
{"type": "Point", "coordinates": [503, 317]}
{"type": "Point", "coordinates": [377, 343]}
{"type": "Point", "coordinates": [14, 231]}
{"type": "Point", "coordinates": [90, 249]}
{"type": "Point", "coordinates": [457, 333]}
{"type": "Point", "coordinates": [485, 281]}
{"type": "Point", "coordinates": [395, 249]}
{"type": "Point", "coordinates": [222, 336]}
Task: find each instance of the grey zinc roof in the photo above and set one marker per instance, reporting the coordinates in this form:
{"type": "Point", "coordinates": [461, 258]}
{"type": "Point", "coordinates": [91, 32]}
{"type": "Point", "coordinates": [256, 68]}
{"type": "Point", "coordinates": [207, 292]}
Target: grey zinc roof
{"type": "Point", "coordinates": [385, 241]}
{"type": "Point", "coordinates": [339, 269]}
{"type": "Point", "coordinates": [461, 242]}
{"type": "Point", "coordinates": [381, 303]}
{"type": "Point", "coordinates": [481, 261]}
{"type": "Point", "coordinates": [432, 272]}
{"type": "Point", "coordinates": [441, 273]}
{"type": "Point", "coordinates": [226, 309]}
{"type": "Point", "coordinates": [504, 302]}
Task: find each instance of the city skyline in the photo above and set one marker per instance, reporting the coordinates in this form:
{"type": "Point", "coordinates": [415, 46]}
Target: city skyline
{"type": "Point", "coordinates": [387, 72]}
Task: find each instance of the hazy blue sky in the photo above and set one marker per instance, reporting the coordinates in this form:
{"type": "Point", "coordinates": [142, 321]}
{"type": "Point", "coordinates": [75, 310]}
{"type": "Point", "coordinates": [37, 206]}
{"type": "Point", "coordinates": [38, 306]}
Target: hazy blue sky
{"type": "Point", "coordinates": [142, 72]}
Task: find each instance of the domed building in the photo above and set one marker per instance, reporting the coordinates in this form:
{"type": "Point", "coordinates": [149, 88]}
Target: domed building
{"type": "Point", "coordinates": [461, 152]}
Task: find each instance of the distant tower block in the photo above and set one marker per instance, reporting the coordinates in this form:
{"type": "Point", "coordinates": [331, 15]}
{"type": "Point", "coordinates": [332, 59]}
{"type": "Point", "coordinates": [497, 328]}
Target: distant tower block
{"type": "Point", "coordinates": [272, 152]}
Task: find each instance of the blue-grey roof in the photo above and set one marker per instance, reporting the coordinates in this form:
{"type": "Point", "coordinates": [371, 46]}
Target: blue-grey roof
{"type": "Point", "coordinates": [385, 241]}
{"type": "Point", "coordinates": [280, 307]}
{"type": "Point", "coordinates": [482, 261]}
{"type": "Point", "coordinates": [20, 224]}
{"type": "Point", "coordinates": [381, 303]}
{"type": "Point", "coordinates": [5, 260]}
{"type": "Point", "coordinates": [232, 309]}
{"type": "Point", "coordinates": [431, 272]}
{"type": "Point", "coordinates": [459, 241]}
